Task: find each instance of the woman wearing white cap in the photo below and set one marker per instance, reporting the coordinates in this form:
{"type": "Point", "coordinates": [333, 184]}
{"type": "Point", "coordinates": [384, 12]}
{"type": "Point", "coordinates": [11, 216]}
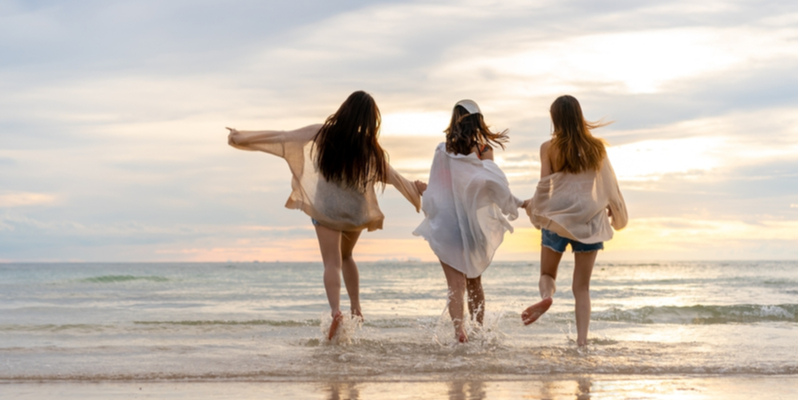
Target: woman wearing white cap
{"type": "Point", "coordinates": [465, 204]}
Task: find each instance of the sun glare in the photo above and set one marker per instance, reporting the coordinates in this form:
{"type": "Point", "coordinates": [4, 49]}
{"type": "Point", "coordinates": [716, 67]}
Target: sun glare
{"type": "Point", "coordinates": [634, 62]}
{"type": "Point", "coordinates": [414, 123]}
{"type": "Point", "coordinates": [648, 160]}
{"type": "Point", "coordinates": [19, 199]}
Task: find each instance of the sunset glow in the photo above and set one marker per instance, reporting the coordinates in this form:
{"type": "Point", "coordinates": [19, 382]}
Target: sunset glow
{"type": "Point", "coordinates": [114, 140]}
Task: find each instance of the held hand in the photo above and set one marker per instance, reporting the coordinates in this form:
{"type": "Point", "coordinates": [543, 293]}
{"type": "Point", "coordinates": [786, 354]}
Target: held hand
{"type": "Point", "coordinates": [610, 214]}
{"type": "Point", "coordinates": [525, 204]}
{"type": "Point", "coordinates": [421, 186]}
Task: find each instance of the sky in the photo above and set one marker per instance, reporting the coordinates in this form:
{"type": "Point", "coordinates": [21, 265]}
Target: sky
{"type": "Point", "coordinates": [113, 145]}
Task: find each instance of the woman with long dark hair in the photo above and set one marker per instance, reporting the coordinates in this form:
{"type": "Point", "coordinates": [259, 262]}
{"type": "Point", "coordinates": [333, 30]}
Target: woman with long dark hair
{"type": "Point", "coordinates": [335, 167]}
{"type": "Point", "coordinates": [465, 202]}
{"type": "Point", "coordinates": [575, 197]}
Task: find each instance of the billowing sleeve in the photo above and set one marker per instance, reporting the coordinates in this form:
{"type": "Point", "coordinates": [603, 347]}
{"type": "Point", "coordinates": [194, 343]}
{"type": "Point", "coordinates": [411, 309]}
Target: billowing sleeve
{"type": "Point", "coordinates": [273, 142]}
{"type": "Point", "coordinates": [404, 186]}
{"type": "Point", "coordinates": [616, 203]}
{"type": "Point", "coordinates": [539, 205]}
{"type": "Point", "coordinates": [498, 191]}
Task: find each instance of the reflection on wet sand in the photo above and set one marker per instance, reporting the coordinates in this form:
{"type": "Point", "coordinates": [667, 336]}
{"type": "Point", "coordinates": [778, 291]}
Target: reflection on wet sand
{"type": "Point", "coordinates": [552, 387]}
{"type": "Point", "coordinates": [343, 391]}
{"type": "Point", "coordinates": [584, 389]}
{"type": "Point", "coordinates": [463, 390]}
{"type": "Point", "coordinates": [538, 387]}
{"type": "Point", "coordinates": [579, 389]}
{"type": "Point", "coordinates": [543, 387]}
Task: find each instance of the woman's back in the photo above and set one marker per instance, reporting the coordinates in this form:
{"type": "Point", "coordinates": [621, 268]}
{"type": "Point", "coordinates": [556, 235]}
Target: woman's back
{"type": "Point", "coordinates": [577, 182]}
{"type": "Point", "coordinates": [467, 195]}
{"type": "Point", "coordinates": [346, 148]}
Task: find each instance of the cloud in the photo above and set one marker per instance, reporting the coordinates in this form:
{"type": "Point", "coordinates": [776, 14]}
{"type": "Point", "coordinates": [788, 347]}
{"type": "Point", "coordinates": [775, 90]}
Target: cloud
{"type": "Point", "coordinates": [21, 199]}
{"type": "Point", "coordinates": [113, 113]}
{"type": "Point", "coordinates": [702, 149]}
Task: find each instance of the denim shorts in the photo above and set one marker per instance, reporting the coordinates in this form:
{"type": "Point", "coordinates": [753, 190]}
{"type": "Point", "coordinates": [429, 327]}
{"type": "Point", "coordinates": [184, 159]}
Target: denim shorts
{"type": "Point", "coordinates": [554, 242]}
{"type": "Point", "coordinates": [315, 222]}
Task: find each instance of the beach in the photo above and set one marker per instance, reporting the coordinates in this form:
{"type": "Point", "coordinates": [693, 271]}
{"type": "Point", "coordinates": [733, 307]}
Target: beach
{"type": "Point", "coordinates": [555, 388]}
{"type": "Point", "coordinates": [688, 330]}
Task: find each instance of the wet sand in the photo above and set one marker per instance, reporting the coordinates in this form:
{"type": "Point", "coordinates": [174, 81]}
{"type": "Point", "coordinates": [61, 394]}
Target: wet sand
{"type": "Point", "coordinates": [537, 387]}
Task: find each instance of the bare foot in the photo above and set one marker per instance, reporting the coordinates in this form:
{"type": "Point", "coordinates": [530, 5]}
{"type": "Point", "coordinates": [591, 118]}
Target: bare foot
{"type": "Point", "coordinates": [337, 318]}
{"type": "Point", "coordinates": [357, 314]}
{"type": "Point", "coordinates": [532, 313]}
{"type": "Point", "coordinates": [462, 337]}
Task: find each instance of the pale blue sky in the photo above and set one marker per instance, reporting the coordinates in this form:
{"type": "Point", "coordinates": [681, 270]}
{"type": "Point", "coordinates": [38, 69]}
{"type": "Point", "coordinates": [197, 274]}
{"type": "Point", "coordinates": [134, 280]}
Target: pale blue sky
{"type": "Point", "coordinates": [112, 116]}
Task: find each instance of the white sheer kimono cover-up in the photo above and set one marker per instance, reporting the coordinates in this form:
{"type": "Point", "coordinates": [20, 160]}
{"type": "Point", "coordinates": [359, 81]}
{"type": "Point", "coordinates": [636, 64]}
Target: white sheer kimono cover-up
{"type": "Point", "coordinates": [574, 205]}
{"type": "Point", "coordinates": [464, 207]}
{"type": "Point", "coordinates": [331, 204]}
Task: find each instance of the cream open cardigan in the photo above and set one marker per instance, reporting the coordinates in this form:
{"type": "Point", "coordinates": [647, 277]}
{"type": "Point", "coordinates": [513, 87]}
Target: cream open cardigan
{"type": "Point", "coordinates": [464, 206]}
{"type": "Point", "coordinates": [333, 205]}
{"type": "Point", "coordinates": [574, 205]}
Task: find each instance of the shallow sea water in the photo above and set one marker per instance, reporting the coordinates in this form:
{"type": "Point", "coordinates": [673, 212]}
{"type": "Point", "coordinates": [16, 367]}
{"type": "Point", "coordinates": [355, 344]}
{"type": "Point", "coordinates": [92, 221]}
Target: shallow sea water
{"type": "Point", "coordinates": [658, 328]}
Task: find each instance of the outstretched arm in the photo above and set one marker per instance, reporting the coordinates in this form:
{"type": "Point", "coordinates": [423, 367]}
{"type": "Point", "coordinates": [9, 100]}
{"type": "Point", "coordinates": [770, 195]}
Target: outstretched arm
{"type": "Point", "coordinates": [239, 138]}
{"type": "Point", "coordinates": [270, 141]}
{"type": "Point", "coordinates": [408, 189]}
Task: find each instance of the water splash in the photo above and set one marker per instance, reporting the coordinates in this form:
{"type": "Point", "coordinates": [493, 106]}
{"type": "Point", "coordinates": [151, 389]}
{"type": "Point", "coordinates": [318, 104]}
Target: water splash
{"type": "Point", "coordinates": [347, 333]}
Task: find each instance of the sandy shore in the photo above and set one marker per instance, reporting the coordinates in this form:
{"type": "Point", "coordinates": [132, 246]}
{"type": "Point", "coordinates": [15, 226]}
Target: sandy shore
{"type": "Point", "coordinates": [538, 387]}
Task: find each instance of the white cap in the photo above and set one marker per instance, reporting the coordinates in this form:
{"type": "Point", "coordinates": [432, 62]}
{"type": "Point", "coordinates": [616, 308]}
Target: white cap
{"type": "Point", "coordinates": [470, 106]}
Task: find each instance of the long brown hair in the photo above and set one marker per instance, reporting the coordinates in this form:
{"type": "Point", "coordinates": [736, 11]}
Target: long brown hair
{"type": "Point", "coordinates": [468, 130]}
{"type": "Point", "coordinates": [348, 151]}
{"type": "Point", "coordinates": [574, 149]}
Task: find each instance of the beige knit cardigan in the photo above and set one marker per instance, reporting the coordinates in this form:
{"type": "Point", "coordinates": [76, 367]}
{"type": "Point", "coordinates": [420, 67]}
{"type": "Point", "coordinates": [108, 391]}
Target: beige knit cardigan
{"type": "Point", "coordinates": [574, 205]}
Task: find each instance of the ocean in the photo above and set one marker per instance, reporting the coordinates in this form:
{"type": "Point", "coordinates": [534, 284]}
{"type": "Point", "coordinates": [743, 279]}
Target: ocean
{"type": "Point", "coordinates": [113, 326]}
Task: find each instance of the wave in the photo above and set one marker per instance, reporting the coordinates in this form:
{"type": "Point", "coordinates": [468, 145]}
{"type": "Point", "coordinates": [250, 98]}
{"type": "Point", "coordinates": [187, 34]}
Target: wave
{"type": "Point", "coordinates": [83, 328]}
{"type": "Point", "coordinates": [438, 369]}
{"type": "Point", "coordinates": [702, 314]}
{"type": "Point", "coordinates": [97, 328]}
{"type": "Point", "coordinates": [124, 278]}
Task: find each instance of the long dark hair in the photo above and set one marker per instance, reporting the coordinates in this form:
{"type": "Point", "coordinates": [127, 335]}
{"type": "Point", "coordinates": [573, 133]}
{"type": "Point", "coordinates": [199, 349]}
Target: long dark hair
{"type": "Point", "coordinates": [348, 151]}
{"type": "Point", "coordinates": [574, 149]}
{"type": "Point", "coordinates": [468, 130]}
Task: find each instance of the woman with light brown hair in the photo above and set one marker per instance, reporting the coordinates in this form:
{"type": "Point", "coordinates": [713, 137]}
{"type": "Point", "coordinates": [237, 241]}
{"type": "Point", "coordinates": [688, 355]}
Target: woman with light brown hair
{"type": "Point", "coordinates": [575, 197]}
{"type": "Point", "coordinates": [335, 167]}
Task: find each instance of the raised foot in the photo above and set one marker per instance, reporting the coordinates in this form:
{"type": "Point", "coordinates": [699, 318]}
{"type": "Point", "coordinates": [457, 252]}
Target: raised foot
{"type": "Point", "coordinates": [532, 313]}
{"type": "Point", "coordinates": [462, 337]}
{"type": "Point", "coordinates": [337, 319]}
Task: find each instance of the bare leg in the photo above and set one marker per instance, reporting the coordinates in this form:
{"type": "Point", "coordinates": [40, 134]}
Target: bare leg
{"type": "Point", "coordinates": [549, 270]}
{"type": "Point", "coordinates": [456, 286]}
{"type": "Point", "coordinates": [584, 263]}
{"type": "Point", "coordinates": [330, 248]}
{"type": "Point", "coordinates": [475, 300]}
{"type": "Point", "coordinates": [547, 285]}
{"type": "Point", "coordinates": [350, 271]}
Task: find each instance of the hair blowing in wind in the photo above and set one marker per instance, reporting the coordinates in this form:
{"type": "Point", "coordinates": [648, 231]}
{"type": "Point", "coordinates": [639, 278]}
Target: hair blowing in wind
{"type": "Point", "coordinates": [574, 148]}
{"type": "Point", "coordinates": [469, 130]}
{"type": "Point", "coordinates": [348, 151]}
